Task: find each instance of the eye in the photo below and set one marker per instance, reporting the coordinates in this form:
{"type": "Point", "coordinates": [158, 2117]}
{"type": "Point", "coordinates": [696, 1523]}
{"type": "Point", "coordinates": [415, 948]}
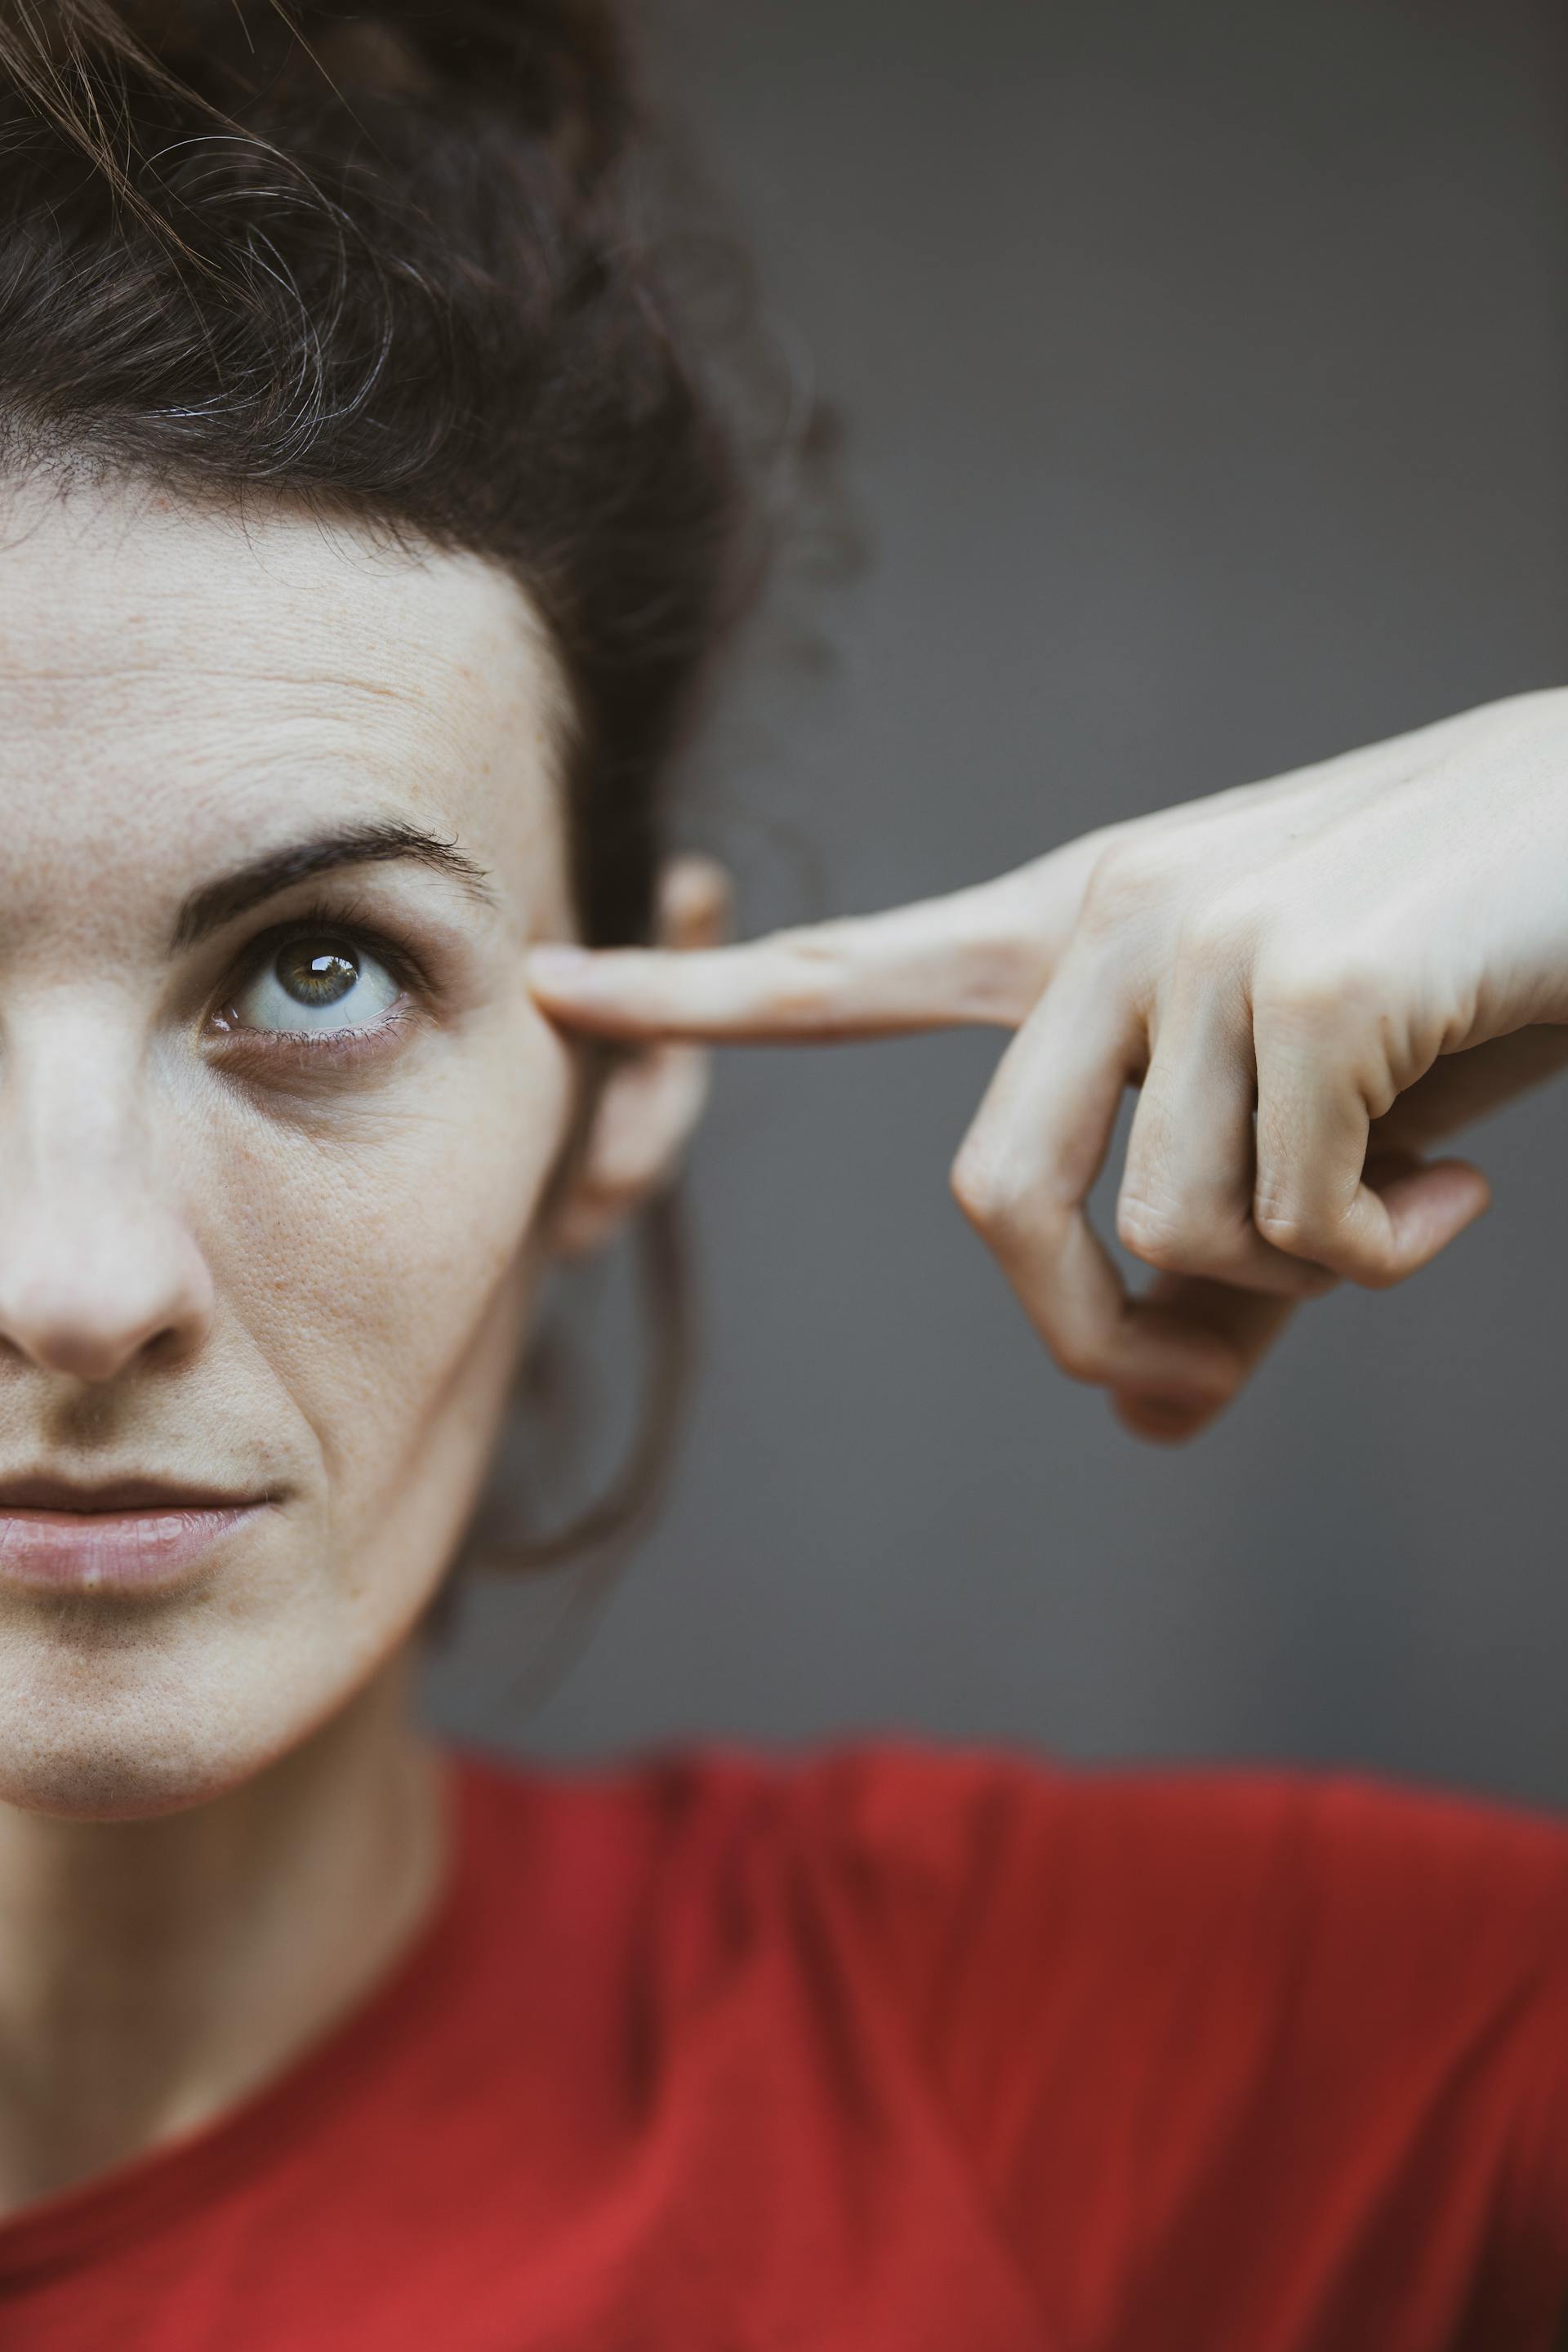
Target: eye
{"type": "Point", "coordinates": [317, 982]}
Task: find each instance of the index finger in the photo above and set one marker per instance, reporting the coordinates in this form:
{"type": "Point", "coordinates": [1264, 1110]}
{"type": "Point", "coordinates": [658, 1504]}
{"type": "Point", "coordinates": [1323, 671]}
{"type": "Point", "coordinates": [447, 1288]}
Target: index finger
{"type": "Point", "coordinates": [977, 955]}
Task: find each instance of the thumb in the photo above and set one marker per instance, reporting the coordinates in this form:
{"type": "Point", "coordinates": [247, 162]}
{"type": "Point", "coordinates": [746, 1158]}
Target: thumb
{"type": "Point", "coordinates": [1429, 1203]}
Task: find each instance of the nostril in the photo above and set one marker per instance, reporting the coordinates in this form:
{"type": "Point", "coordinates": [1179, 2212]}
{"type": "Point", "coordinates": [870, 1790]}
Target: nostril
{"type": "Point", "coordinates": [74, 1349]}
{"type": "Point", "coordinates": [88, 1313]}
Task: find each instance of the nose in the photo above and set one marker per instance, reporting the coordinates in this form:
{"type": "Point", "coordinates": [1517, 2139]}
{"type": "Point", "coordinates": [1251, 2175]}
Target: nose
{"type": "Point", "coordinates": [98, 1264]}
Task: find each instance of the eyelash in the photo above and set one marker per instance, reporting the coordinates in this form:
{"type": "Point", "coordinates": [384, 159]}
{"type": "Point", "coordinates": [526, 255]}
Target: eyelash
{"type": "Point", "coordinates": [346, 922]}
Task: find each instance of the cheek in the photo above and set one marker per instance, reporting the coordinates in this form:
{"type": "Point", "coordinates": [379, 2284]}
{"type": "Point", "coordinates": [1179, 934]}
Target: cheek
{"type": "Point", "coordinates": [385, 1246]}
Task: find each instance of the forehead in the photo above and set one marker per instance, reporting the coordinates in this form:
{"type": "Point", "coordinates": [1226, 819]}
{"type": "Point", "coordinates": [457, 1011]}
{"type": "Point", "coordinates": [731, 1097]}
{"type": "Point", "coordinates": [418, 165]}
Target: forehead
{"type": "Point", "coordinates": [180, 682]}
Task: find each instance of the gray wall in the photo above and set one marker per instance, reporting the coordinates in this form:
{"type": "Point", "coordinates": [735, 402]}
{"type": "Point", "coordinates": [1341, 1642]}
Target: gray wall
{"type": "Point", "coordinates": [1205, 365]}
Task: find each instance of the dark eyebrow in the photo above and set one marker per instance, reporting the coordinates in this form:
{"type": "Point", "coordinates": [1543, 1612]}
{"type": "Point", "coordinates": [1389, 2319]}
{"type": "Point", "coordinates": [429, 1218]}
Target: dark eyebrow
{"type": "Point", "coordinates": [209, 908]}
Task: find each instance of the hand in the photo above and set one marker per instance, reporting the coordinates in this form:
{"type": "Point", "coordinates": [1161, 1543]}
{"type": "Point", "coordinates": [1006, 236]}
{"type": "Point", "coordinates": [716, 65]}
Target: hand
{"type": "Point", "coordinates": [1310, 979]}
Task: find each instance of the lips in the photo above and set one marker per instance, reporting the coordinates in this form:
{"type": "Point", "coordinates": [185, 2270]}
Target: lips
{"type": "Point", "coordinates": [145, 1549]}
{"type": "Point", "coordinates": [40, 1492]}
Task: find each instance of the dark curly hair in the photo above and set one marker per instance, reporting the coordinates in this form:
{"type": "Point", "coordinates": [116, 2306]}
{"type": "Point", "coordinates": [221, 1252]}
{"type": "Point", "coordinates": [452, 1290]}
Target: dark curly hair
{"type": "Point", "coordinates": [396, 262]}
{"type": "Point", "coordinates": [391, 261]}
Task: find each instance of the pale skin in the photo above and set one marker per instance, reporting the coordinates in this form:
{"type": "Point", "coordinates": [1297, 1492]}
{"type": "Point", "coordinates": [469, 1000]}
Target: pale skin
{"type": "Point", "coordinates": [1367, 954]}
{"type": "Point", "coordinates": [222, 1260]}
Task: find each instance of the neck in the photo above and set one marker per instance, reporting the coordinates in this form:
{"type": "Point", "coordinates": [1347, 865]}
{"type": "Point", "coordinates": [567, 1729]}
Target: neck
{"type": "Point", "coordinates": [153, 1972]}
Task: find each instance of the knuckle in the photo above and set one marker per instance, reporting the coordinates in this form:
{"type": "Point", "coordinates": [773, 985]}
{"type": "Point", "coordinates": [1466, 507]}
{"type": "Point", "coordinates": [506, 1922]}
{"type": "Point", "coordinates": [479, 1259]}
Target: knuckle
{"type": "Point", "coordinates": [983, 1188]}
{"type": "Point", "coordinates": [1077, 1356]}
{"type": "Point", "coordinates": [800, 1004]}
{"type": "Point", "coordinates": [808, 984]}
{"type": "Point", "coordinates": [1287, 1226]}
{"type": "Point", "coordinates": [1124, 881]}
{"type": "Point", "coordinates": [1156, 1232]}
{"type": "Point", "coordinates": [1323, 990]}
{"type": "Point", "coordinates": [1003, 978]}
{"type": "Point", "coordinates": [1222, 930]}
{"type": "Point", "coordinates": [1292, 992]}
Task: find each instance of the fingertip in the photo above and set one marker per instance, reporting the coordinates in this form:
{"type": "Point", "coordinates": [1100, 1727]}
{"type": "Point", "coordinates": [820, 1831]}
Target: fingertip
{"type": "Point", "coordinates": [589, 988]}
{"type": "Point", "coordinates": [1427, 1208]}
{"type": "Point", "coordinates": [1470, 1184]}
{"type": "Point", "coordinates": [1167, 1419]}
{"type": "Point", "coordinates": [558, 968]}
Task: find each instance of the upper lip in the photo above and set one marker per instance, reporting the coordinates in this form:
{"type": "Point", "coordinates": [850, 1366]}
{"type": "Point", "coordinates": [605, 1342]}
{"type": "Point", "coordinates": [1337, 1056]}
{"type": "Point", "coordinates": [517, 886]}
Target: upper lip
{"type": "Point", "coordinates": [46, 1494]}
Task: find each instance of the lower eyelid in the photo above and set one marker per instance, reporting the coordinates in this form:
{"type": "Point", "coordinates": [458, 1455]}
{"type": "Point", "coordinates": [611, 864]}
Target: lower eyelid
{"type": "Point", "coordinates": [321, 1047]}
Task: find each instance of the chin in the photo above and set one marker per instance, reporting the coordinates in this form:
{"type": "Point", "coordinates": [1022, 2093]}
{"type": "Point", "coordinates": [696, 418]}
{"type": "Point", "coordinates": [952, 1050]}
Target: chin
{"type": "Point", "coordinates": [111, 1772]}
{"type": "Point", "coordinates": [120, 1725]}
{"type": "Point", "coordinates": [84, 1779]}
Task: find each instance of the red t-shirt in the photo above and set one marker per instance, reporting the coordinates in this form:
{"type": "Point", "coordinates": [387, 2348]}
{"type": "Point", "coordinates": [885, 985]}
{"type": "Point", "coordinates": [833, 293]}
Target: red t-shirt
{"type": "Point", "coordinates": [888, 2047]}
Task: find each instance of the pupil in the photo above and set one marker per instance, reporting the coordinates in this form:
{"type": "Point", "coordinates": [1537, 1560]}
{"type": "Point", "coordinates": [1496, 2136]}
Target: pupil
{"type": "Point", "coordinates": [317, 975]}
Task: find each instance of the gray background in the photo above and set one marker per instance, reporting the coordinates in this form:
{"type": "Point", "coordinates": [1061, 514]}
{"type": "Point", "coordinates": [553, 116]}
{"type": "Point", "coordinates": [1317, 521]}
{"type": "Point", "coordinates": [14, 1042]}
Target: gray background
{"type": "Point", "coordinates": [1206, 367]}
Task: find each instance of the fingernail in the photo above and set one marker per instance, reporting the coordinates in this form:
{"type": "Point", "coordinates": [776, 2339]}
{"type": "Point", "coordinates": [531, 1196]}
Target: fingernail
{"type": "Point", "coordinates": [559, 965]}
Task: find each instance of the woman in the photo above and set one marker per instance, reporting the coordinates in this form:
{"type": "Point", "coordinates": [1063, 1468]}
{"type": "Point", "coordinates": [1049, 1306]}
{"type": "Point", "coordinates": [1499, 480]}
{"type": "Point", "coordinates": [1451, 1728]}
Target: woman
{"type": "Point", "coordinates": [367, 538]}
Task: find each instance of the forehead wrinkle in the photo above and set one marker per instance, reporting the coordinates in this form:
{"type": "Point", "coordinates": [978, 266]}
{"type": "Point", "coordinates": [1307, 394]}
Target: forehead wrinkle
{"type": "Point", "coordinates": [179, 678]}
{"type": "Point", "coordinates": [181, 673]}
{"type": "Point", "coordinates": [176, 602]}
{"type": "Point", "coordinates": [415, 641]}
{"type": "Point", "coordinates": [264, 721]}
{"type": "Point", "coordinates": [34, 672]}
{"type": "Point", "coordinates": [467, 700]}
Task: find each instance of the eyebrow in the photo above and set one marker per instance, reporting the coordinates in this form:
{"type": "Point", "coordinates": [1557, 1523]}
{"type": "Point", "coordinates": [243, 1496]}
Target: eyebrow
{"type": "Point", "coordinates": [208, 908]}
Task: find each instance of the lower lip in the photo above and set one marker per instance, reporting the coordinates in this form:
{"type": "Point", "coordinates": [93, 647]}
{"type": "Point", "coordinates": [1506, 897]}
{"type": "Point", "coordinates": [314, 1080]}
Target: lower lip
{"type": "Point", "coordinates": [111, 1551]}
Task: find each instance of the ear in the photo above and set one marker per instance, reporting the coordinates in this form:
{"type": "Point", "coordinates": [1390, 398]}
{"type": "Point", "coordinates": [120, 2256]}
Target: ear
{"type": "Point", "coordinates": [651, 1100]}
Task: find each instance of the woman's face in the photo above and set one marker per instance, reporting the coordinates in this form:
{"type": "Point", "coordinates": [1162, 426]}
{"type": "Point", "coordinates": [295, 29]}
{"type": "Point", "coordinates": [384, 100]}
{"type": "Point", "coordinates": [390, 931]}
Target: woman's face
{"type": "Point", "coordinates": [230, 1257]}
